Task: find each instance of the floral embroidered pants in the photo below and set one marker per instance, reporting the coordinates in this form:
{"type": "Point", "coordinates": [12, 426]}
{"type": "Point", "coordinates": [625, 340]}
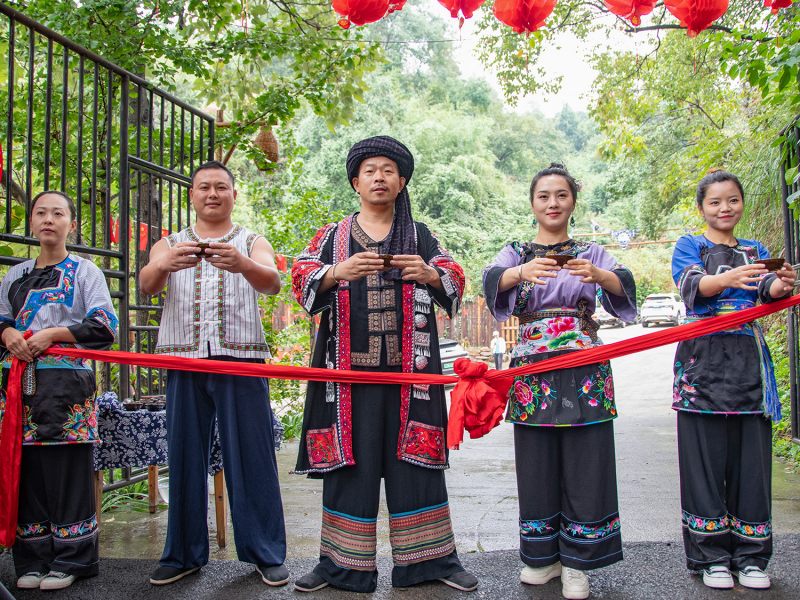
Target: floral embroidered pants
{"type": "Point", "coordinates": [726, 488]}
{"type": "Point", "coordinates": [567, 483]}
{"type": "Point", "coordinates": [57, 528]}
{"type": "Point", "coordinates": [420, 532]}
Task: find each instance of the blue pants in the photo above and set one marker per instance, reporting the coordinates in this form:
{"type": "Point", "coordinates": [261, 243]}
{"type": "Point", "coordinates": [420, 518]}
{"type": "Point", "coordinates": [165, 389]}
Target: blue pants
{"type": "Point", "coordinates": [244, 419]}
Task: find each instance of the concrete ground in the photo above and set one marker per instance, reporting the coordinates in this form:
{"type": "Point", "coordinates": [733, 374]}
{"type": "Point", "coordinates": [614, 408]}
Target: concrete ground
{"type": "Point", "coordinates": [482, 489]}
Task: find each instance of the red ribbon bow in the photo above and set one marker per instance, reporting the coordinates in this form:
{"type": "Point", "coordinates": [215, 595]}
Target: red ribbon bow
{"type": "Point", "coordinates": [476, 403]}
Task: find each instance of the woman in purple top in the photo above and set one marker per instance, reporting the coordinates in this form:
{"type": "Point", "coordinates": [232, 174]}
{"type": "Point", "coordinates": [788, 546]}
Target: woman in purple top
{"type": "Point", "coordinates": [566, 476]}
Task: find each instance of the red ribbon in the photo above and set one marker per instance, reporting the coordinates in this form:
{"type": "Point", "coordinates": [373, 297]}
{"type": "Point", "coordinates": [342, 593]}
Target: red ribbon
{"type": "Point", "coordinates": [11, 452]}
{"type": "Point", "coordinates": [476, 404]}
{"type": "Point", "coordinates": [500, 381]}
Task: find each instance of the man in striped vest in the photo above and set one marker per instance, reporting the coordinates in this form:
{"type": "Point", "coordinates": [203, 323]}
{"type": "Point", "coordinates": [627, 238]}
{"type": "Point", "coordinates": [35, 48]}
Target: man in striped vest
{"type": "Point", "coordinates": [213, 272]}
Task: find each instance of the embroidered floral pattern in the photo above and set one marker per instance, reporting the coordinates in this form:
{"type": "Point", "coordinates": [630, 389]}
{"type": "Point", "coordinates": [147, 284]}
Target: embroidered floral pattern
{"type": "Point", "coordinates": [597, 389]}
{"type": "Point", "coordinates": [75, 530]}
{"type": "Point", "coordinates": [81, 423]}
{"type": "Point", "coordinates": [33, 530]}
{"type": "Point", "coordinates": [750, 530]}
{"type": "Point", "coordinates": [529, 394]}
{"type": "Point", "coordinates": [551, 334]}
{"type": "Point", "coordinates": [684, 392]}
{"type": "Point", "coordinates": [29, 427]}
{"type": "Point", "coordinates": [323, 448]}
{"type": "Point", "coordinates": [536, 527]}
{"type": "Point", "coordinates": [424, 443]}
{"type": "Point", "coordinates": [591, 531]}
{"type": "Point", "coordinates": [705, 525]}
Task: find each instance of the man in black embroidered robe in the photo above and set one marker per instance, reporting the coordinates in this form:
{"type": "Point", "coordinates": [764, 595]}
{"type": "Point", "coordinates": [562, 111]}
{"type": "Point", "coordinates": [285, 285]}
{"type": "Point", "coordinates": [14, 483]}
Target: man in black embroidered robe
{"type": "Point", "coordinates": [374, 278]}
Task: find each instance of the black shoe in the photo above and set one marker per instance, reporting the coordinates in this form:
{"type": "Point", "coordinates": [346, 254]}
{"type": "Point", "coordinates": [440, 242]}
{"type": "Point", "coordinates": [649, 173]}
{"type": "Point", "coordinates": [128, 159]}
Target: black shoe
{"type": "Point", "coordinates": [463, 581]}
{"type": "Point", "coordinates": [310, 582]}
{"type": "Point", "coordinates": [276, 575]}
{"type": "Point", "coordinates": [164, 575]}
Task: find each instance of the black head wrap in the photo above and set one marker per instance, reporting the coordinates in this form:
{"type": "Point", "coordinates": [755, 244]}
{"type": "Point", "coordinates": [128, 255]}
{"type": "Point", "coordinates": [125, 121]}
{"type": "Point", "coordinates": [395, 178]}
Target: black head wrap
{"type": "Point", "coordinates": [401, 238]}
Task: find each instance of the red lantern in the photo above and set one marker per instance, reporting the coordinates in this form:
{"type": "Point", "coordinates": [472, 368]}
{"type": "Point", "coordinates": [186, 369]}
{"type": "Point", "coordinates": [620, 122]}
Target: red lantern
{"type": "Point", "coordinates": [696, 15]}
{"type": "Point", "coordinates": [396, 5]}
{"type": "Point", "coordinates": [360, 12]}
{"type": "Point", "coordinates": [523, 15]}
{"type": "Point", "coordinates": [776, 5]}
{"type": "Point", "coordinates": [632, 10]}
{"type": "Point", "coordinates": [466, 7]}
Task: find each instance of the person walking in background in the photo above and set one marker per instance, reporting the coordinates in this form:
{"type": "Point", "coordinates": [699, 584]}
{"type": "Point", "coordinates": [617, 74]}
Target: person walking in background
{"type": "Point", "coordinates": [214, 272]}
{"type": "Point", "coordinates": [563, 419]}
{"type": "Point", "coordinates": [725, 394]}
{"type": "Point", "coordinates": [498, 349]}
{"type": "Point", "coordinates": [62, 299]}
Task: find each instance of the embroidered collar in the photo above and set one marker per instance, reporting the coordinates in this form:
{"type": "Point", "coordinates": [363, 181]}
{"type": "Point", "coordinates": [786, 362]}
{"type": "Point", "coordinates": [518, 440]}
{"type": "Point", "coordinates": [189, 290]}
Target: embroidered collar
{"type": "Point", "coordinates": [63, 293]}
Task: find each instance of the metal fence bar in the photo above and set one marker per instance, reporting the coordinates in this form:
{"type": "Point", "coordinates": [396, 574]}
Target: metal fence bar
{"type": "Point", "coordinates": [790, 150]}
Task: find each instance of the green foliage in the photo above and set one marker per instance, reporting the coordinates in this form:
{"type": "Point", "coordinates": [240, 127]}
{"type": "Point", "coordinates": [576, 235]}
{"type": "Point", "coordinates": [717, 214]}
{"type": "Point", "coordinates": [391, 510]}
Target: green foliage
{"type": "Point", "coordinates": [260, 60]}
{"type": "Point", "coordinates": [132, 497]}
{"type": "Point", "coordinates": [783, 445]}
{"type": "Point", "coordinates": [287, 395]}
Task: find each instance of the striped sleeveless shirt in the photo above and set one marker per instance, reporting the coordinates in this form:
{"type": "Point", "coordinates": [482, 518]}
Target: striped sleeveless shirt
{"type": "Point", "coordinates": [209, 311]}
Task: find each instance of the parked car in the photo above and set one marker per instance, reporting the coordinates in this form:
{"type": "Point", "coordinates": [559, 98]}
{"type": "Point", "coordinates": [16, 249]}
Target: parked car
{"type": "Point", "coordinates": [450, 350]}
{"type": "Point", "coordinates": [603, 317]}
{"type": "Point", "coordinates": [663, 308]}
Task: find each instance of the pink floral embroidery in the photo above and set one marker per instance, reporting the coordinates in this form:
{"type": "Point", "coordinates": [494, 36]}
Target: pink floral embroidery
{"type": "Point", "coordinates": [523, 393]}
{"type": "Point", "coordinates": [559, 325]}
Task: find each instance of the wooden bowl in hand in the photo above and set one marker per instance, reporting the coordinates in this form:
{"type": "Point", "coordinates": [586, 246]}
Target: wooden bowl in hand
{"type": "Point", "coordinates": [772, 264]}
{"type": "Point", "coordinates": [561, 259]}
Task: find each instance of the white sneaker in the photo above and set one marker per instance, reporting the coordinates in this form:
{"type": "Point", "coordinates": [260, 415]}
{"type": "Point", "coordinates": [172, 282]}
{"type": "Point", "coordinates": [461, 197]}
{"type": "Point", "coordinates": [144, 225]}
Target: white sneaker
{"type": "Point", "coordinates": [540, 575]}
{"type": "Point", "coordinates": [30, 581]}
{"type": "Point", "coordinates": [717, 577]}
{"type": "Point", "coordinates": [574, 584]}
{"type": "Point", "coordinates": [56, 580]}
{"type": "Point", "coordinates": [753, 577]}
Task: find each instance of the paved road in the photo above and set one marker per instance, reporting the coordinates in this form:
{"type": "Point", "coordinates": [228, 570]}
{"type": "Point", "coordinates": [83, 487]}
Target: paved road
{"type": "Point", "coordinates": [483, 499]}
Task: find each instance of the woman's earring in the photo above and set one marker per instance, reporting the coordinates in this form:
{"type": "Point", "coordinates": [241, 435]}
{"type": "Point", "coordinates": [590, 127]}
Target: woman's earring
{"type": "Point", "coordinates": [572, 221]}
{"type": "Point", "coordinates": [533, 221]}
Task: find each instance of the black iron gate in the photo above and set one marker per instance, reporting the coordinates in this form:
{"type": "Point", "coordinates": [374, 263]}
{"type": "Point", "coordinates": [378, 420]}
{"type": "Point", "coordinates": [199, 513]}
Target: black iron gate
{"type": "Point", "coordinates": [120, 147]}
{"type": "Point", "coordinates": [790, 183]}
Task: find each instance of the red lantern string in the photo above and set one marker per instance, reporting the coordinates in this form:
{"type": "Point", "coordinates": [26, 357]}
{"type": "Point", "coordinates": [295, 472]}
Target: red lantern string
{"type": "Point", "coordinates": [461, 9]}
{"type": "Point", "coordinates": [631, 10]}
{"type": "Point", "coordinates": [523, 15]}
{"type": "Point", "coordinates": [360, 12]}
{"type": "Point", "coordinates": [696, 15]}
{"type": "Point", "coordinates": [776, 5]}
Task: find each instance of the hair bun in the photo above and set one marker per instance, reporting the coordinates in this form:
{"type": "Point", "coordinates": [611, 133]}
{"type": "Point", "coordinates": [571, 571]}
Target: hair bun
{"type": "Point", "coordinates": [555, 165]}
